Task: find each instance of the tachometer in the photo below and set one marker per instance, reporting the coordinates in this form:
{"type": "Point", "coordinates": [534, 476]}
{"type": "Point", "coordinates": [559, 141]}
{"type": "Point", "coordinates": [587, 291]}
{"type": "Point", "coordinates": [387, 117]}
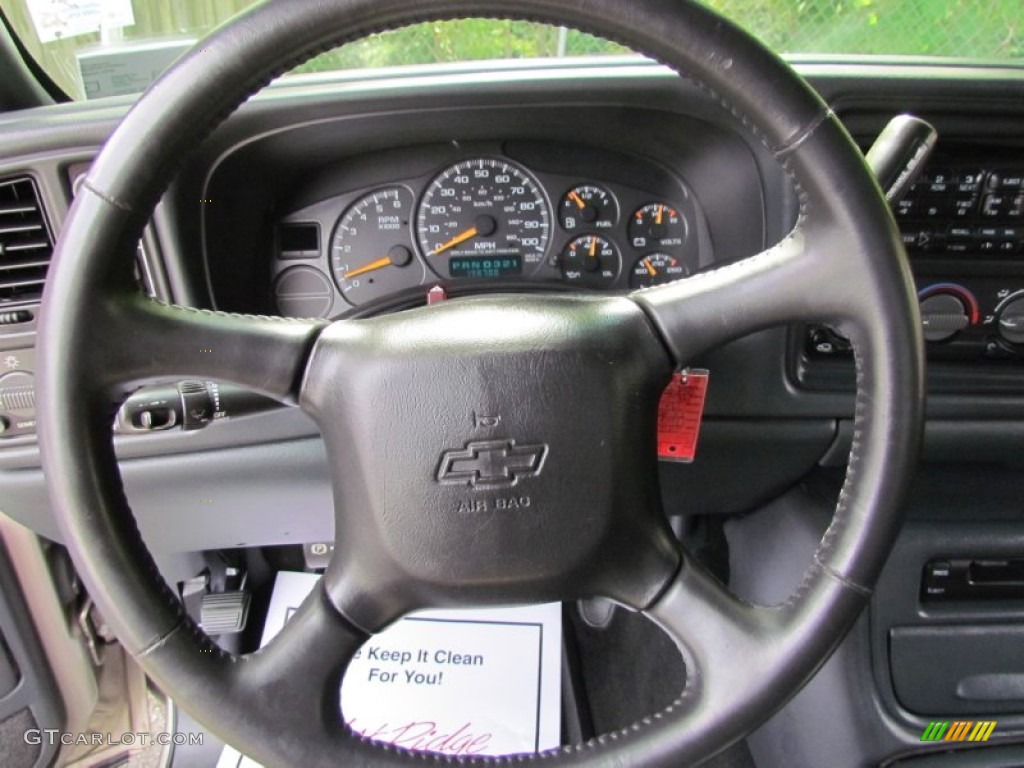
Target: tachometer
{"type": "Point", "coordinates": [483, 212]}
{"type": "Point", "coordinates": [370, 254]}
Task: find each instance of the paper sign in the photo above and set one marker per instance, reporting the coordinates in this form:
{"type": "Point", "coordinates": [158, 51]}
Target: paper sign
{"type": "Point", "coordinates": [461, 682]}
{"type": "Point", "coordinates": [57, 19]}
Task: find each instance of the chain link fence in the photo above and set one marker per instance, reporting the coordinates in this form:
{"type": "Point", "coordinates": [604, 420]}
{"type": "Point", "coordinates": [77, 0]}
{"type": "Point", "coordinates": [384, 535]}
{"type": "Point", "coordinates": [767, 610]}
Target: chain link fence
{"type": "Point", "coordinates": [992, 29]}
{"type": "Point", "coordinates": [985, 29]}
{"type": "Point", "coordinates": [463, 40]}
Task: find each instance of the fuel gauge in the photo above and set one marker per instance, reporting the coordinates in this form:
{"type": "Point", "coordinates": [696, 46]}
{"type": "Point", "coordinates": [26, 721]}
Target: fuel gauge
{"type": "Point", "coordinates": [655, 269]}
{"type": "Point", "coordinates": [588, 206]}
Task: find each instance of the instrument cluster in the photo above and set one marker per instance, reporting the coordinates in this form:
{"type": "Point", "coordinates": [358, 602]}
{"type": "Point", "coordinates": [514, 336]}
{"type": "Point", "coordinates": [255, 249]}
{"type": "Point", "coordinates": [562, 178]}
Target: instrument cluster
{"type": "Point", "coordinates": [486, 221]}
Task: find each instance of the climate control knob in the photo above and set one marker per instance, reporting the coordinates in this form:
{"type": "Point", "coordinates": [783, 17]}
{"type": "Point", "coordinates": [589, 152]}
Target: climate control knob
{"type": "Point", "coordinates": [943, 315]}
{"type": "Point", "coordinates": [1011, 320]}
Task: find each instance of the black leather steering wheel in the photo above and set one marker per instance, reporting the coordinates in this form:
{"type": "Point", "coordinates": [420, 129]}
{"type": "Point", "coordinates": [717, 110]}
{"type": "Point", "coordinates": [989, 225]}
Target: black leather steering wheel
{"type": "Point", "coordinates": [391, 395]}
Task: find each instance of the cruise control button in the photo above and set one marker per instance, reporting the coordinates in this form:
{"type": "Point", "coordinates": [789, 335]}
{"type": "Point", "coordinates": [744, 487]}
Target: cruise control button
{"type": "Point", "coordinates": [155, 419]}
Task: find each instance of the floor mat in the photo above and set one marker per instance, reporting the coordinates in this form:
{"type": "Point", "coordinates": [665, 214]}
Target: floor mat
{"type": "Point", "coordinates": [630, 669]}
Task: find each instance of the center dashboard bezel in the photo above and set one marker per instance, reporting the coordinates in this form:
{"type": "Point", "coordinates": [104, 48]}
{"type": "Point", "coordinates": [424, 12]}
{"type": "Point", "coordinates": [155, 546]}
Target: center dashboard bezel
{"type": "Point", "coordinates": [267, 176]}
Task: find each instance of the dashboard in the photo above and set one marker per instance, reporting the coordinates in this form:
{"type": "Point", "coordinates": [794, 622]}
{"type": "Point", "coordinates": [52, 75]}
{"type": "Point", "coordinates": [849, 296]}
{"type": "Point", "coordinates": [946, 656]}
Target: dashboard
{"type": "Point", "coordinates": [556, 194]}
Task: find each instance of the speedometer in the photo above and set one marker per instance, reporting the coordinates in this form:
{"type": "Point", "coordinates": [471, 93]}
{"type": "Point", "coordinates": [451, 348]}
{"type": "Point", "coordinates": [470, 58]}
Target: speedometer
{"type": "Point", "coordinates": [483, 218]}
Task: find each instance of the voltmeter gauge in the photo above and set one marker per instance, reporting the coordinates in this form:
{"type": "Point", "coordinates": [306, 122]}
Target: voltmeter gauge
{"type": "Point", "coordinates": [588, 206]}
{"type": "Point", "coordinates": [657, 225]}
{"type": "Point", "coordinates": [590, 260]}
{"type": "Point", "coordinates": [655, 269]}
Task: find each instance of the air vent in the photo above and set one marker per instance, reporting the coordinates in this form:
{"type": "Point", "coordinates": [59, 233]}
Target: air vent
{"type": "Point", "coordinates": [25, 242]}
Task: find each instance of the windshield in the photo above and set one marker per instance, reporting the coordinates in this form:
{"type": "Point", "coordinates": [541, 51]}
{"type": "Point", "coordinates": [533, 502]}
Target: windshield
{"type": "Point", "coordinates": [96, 48]}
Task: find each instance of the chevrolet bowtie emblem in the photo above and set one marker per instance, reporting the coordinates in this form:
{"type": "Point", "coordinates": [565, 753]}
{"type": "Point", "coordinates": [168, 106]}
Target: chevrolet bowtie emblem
{"type": "Point", "coordinates": [491, 464]}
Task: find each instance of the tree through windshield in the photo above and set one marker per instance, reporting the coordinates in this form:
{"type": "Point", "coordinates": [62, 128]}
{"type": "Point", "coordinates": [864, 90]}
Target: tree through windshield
{"type": "Point", "coordinates": [94, 48]}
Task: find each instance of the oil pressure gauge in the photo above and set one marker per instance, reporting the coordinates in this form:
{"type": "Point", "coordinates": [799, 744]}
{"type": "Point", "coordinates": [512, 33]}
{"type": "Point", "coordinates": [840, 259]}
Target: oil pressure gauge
{"type": "Point", "coordinates": [591, 261]}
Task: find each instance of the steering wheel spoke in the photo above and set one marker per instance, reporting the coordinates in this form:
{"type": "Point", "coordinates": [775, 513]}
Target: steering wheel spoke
{"type": "Point", "coordinates": [789, 282]}
{"type": "Point", "coordinates": [294, 682]}
{"type": "Point", "coordinates": [151, 340]}
{"type": "Point", "coordinates": [738, 650]}
{"type": "Point", "coordinates": [304, 664]}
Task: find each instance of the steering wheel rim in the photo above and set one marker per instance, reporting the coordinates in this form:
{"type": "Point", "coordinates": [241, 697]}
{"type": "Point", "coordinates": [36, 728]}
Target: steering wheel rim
{"type": "Point", "coordinates": [842, 264]}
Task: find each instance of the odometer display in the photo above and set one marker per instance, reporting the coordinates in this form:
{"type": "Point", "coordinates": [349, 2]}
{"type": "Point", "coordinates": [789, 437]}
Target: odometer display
{"type": "Point", "coordinates": [485, 266]}
{"type": "Point", "coordinates": [479, 210]}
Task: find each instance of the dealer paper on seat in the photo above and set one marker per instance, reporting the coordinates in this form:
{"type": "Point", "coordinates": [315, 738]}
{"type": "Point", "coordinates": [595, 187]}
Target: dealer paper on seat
{"type": "Point", "coordinates": [461, 682]}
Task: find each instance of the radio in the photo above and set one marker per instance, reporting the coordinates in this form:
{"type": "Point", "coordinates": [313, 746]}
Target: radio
{"type": "Point", "coordinates": [965, 211]}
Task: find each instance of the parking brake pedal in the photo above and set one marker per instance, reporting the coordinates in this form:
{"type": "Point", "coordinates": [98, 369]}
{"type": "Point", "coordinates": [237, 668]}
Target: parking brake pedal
{"type": "Point", "coordinates": [224, 613]}
{"type": "Point", "coordinates": [216, 599]}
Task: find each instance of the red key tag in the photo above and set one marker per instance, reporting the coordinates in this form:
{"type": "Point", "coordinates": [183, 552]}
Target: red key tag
{"type": "Point", "coordinates": [679, 415]}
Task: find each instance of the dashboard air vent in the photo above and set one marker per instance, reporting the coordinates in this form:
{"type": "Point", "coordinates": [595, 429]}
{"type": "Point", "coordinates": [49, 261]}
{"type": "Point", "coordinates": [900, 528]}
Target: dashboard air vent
{"type": "Point", "coordinates": [25, 242]}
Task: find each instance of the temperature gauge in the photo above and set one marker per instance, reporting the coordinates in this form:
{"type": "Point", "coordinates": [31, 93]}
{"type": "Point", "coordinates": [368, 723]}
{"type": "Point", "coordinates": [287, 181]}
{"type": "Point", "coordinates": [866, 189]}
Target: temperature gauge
{"type": "Point", "coordinates": [590, 260]}
{"type": "Point", "coordinates": [657, 225]}
{"type": "Point", "coordinates": [655, 269]}
{"type": "Point", "coordinates": [588, 206]}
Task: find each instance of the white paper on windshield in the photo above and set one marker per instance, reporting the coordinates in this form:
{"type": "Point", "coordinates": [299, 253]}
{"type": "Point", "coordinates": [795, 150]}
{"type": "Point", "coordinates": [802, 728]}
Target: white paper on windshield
{"type": "Point", "coordinates": [462, 682]}
{"type": "Point", "coordinates": [57, 19]}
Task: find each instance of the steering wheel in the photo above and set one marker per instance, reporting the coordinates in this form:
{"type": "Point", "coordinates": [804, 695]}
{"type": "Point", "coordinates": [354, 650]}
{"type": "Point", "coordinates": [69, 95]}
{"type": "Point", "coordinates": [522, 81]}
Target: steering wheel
{"type": "Point", "coordinates": [393, 396]}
